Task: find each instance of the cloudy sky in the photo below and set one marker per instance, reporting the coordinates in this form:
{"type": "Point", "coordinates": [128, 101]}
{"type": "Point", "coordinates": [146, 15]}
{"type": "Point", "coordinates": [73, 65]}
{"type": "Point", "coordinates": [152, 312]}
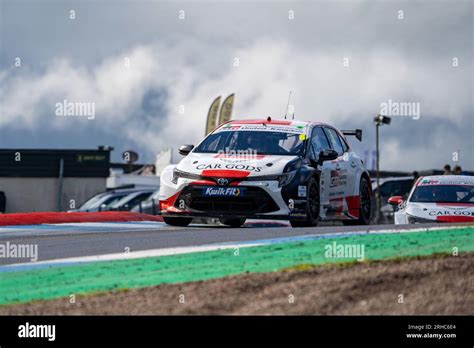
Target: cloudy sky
{"type": "Point", "coordinates": [140, 61]}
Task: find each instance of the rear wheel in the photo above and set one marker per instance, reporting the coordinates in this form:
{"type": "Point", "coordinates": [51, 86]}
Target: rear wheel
{"type": "Point", "coordinates": [177, 221]}
{"type": "Point", "coordinates": [232, 222]}
{"type": "Point", "coordinates": [365, 205]}
{"type": "Point", "coordinates": [312, 206]}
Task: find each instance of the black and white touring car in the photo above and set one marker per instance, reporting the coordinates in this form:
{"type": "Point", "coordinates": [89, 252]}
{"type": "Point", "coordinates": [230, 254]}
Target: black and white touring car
{"type": "Point", "coordinates": [268, 169]}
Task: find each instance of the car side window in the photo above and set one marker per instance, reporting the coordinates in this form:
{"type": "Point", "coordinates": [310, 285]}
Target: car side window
{"type": "Point", "coordinates": [345, 147]}
{"type": "Point", "coordinates": [334, 140]}
{"type": "Point", "coordinates": [319, 141]}
{"type": "Point", "coordinates": [386, 189]}
{"type": "Point", "coordinates": [141, 197]}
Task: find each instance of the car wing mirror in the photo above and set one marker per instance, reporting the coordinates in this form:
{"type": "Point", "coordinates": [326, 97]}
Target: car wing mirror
{"type": "Point", "coordinates": [395, 201]}
{"type": "Point", "coordinates": [185, 149]}
{"type": "Point", "coordinates": [327, 155]}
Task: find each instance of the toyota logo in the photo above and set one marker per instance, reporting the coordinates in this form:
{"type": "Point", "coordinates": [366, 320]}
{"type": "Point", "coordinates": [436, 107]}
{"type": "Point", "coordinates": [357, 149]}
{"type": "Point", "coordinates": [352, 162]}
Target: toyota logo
{"type": "Point", "coordinates": [222, 181]}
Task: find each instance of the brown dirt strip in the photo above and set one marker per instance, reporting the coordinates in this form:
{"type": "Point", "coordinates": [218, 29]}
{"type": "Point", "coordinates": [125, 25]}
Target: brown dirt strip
{"type": "Point", "coordinates": [435, 285]}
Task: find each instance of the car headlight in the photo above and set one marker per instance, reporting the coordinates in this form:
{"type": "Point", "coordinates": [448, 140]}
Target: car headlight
{"type": "Point", "coordinates": [283, 179]}
{"type": "Point", "coordinates": [292, 166]}
{"type": "Point", "coordinates": [289, 172]}
{"type": "Point", "coordinates": [417, 220]}
{"type": "Point", "coordinates": [286, 178]}
{"type": "Point", "coordinates": [180, 174]}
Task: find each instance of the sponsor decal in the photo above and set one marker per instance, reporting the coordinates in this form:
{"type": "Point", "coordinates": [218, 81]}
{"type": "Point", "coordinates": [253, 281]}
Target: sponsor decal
{"type": "Point", "coordinates": [297, 214]}
{"type": "Point", "coordinates": [279, 122]}
{"type": "Point", "coordinates": [262, 128]}
{"type": "Point", "coordinates": [299, 201]}
{"type": "Point", "coordinates": [301, 191]}
{"type": "Point", "coordinates": [446, 182]}
{"type": "Point", "coordinates": [338, 178]}
{"type": "Point", "coordinates": [429, 182]}
{"type": "Point", "coordinates": [451, 212]}
{"type": "Point", "coordinates": [229, 126]}
{"type": "Point", "coordinates": [229, 166]}
{"type": "Point", "coordinates": [223, 191]}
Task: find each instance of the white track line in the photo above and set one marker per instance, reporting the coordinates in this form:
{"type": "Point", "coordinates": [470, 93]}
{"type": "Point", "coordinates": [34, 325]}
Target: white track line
{"type": "Point", "coordinates": [81, 227]}
{"type": "Point", "coordinates": [134, 255]}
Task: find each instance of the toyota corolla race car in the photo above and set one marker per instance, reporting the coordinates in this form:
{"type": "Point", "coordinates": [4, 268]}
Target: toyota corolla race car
{"type": "Point", "coordinates": [447, 198]}
{"type": "Point", "coordinates": [268, 169]}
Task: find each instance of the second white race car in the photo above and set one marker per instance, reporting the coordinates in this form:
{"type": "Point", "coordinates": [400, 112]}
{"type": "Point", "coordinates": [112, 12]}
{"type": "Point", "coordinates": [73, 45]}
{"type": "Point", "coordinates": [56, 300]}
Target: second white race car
{"type": "Point", "coordinates": [268, 169]}
{"type": "Point", "coordinates": [446, 198]}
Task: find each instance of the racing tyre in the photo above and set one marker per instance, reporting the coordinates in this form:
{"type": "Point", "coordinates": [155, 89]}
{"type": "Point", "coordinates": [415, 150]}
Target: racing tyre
{"type": "Point", "coordinates": [312, 206]}
{"type": "Point", "coordinates": [365, 205]}
{"type": "Point", "coordinates": [232, 222]}
{"type": "Point", "coordinates": [177, 221]}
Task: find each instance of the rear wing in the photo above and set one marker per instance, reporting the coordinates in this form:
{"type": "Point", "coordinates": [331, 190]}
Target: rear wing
{"type": "Point", "coordinates": [357, 133]}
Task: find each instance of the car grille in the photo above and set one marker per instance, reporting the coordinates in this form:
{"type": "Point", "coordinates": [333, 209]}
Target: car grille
{"type": "Point", "coordinates": [255, 201]}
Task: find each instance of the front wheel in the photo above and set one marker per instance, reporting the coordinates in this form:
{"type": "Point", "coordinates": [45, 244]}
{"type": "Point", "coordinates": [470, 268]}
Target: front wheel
{"type": "Point", "coordinates": [232, 222]}
{"type": "Point", "coordinates": [312, 206]}
{"type": "Point", "coordinates": [177, 221]}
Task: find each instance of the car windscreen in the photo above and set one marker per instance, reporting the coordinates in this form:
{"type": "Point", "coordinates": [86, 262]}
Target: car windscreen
{"type": "Point", "coordinates": [102, 200]}
{"type": "Point", "coordinates": [443, 194]}
{"type": "Point", "coordinates": [132, 199]}
{"type": "Point", "coordinates": [92, 201]}
{"type": "Point", "coordinates": [396, 188]}
{"type": "Point", "coordinates": [253, 143]}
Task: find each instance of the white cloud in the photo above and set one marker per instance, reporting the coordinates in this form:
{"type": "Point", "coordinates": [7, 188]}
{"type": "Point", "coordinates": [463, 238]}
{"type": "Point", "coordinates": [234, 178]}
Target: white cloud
{"type": "Point", "coordinates": [323, 90]}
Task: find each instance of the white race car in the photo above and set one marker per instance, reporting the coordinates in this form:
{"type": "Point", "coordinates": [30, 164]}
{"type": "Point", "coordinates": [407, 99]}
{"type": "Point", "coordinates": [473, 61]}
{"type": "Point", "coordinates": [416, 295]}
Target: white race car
{"type": "Point", "coordinates": [446, 198]}
{"type": "Point", "coordinates": [268, 169]}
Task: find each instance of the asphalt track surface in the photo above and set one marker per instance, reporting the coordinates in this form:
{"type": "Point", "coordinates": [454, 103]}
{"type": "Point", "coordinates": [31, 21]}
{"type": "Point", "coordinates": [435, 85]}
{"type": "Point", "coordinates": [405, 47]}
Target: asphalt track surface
{"type": "Point", "coordinates": [60, 242]}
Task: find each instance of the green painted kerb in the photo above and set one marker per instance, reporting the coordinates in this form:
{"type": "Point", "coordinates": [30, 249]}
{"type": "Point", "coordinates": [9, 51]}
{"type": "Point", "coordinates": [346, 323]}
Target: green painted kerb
{"type": "Point", "coordinates": [23, 286]}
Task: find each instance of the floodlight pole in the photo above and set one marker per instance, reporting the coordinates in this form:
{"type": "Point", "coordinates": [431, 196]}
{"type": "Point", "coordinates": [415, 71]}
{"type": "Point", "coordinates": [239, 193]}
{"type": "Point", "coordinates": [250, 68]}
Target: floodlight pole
{"type": "Point", "coordinates": [379, 120]}
{"type": "Point", "coordinates": [377, 169]}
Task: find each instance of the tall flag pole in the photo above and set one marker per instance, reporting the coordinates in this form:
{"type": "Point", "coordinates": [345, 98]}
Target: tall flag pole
{"type": "Point", "coordinates": [211, 122]}
{"type": "Point", "coordinates": [226, 110]}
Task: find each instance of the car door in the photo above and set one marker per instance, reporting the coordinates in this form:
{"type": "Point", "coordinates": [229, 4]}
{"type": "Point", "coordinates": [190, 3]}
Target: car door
{"type": "Point", "coordinates": [320, 142]}
{"type": "Point", "coordinates": [342, 174]}
{"type": "Point", "coordinates": [352, 163]}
